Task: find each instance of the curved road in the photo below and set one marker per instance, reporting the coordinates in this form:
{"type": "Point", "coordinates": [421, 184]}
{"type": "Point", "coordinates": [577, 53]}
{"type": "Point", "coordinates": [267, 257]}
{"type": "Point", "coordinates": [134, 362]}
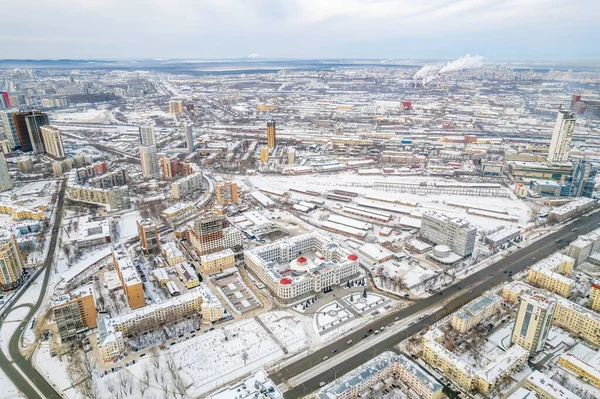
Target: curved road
{"type": "Point", "coordinates": [478, 283]}
{"type": "Point", "coordinates": [34, 386]}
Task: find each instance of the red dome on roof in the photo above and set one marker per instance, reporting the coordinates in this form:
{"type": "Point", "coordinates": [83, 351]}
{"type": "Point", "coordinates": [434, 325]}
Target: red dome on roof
{"type": "Point", "coordinates": [301, 259]}
{"type": "Point", "coordinates": [322, 258]}
{"type": "Point", "coordinates": [285, 281]}
{"type": "Point", "coordinates": [352, 257]}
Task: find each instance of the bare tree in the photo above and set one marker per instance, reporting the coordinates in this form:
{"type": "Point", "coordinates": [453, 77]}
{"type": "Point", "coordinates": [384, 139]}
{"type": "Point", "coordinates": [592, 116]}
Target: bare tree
{"type": "Point", "coordinates": [244, 356]}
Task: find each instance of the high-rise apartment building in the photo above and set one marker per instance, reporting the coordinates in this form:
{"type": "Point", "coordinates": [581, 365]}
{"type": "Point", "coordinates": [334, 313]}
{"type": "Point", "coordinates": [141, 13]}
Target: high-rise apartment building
{"type": "Point", "coordinates": [207, 234]}
{"type": "Point", "coordinates": [175, 107]}
{"type": "Point", "coordinates": [75, 312]}
{"type": "Point", "coordinates": [188, 133]}
{"type": "Point", "coordinates": [187, 186]}
{"type": "Point", "coordinates": [149, 161]}
{"type": "Point", "coordinates": [130, 279]}
{"type": "Point", "coordinates": [582, 179]}
{"type": "Point", "coordinates": [227, 193]}
{"type": "Point", "coordinates": [534, 318]}
{"type": "Point", "coordinates": [264, 154]}
{"type": "Point", "coordinates": [271, 140]}
{"type": "Point", "coordinates": [53, 142]}
{"type": "Point", "coordinates": [27, 126]}
{"type": "Point", "coordinates": [147, 135]}
{"type": "Point", "coordinates": [5, 182]}
{"type": "Point", "coordinates": [11, 261]}
{"type": "Point", "coordinates": [34, 123]}
{"type": "Point", "coordinates": [9, 129]}
{"type": "Point", "coordinates": [458, 234]}
{"type": "Point", "coordinates": [6, 99]}
{"type": "Point", "coordinates": [169, 167]}
{"type": "Point", "coordinates": [561, 137]}
{"type": "Point", "coordinates": [149, 240]}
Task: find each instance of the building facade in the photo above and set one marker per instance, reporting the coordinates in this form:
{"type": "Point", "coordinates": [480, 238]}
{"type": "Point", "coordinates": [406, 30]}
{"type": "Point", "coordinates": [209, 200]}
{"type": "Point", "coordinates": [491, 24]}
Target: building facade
{"type": "Point", "coordinates": [149, 239]}
{"type": "Point", "coordinates": [147, 135]}
{"type": "Point", "coordinates": [149, 161]}
{"type": "Point", "coordinates": [12, 263]}
{"type": "Point", "coordinates": [75, 312]}
{"type": "Point", "coordinates": [458, 234]}
{"type": "Point", "coordinates": [187, 185]}
{"type": "Point", "coordinates": [561, 137]}
{"type": "Point", "coordinates": [534, 318]}
{"type": "Point", "coordinates": [53, 142]}
{"type": "Point", "coordinates": [271, 136]}
{"type": "Point", "coordinates": [130, 280]}
{"type": "Point", "coordinates": [551, 274]}
{"type": "Point", "coordinates": [5, 181]}
{"type": "Point", "coordinates": [217, 261]}
{"type": "Point", "coordinates": [475, 312]}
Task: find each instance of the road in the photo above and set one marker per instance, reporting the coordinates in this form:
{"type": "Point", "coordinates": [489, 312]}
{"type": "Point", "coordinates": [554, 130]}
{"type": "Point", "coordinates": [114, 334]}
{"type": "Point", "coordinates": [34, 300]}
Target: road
{"type": "Point", "coordinates": [302, 381]}
{"type": "Point", "coordinates": [34, 386]}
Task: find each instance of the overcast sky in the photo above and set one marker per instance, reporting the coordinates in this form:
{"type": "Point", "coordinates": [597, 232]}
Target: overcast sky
{"type": "Point", "coordinates": [495, 29]}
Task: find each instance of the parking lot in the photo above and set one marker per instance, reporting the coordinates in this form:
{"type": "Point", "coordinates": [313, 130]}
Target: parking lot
{"type": "Point", "coordinates": [238, 295]}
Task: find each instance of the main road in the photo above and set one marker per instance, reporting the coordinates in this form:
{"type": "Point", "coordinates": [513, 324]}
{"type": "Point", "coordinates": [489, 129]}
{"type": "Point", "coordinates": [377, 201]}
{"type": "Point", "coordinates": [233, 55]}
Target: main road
{"type": "Point", "coordinates": [301, 382]}
{"type": "Point", "coordinates": [20, 370]}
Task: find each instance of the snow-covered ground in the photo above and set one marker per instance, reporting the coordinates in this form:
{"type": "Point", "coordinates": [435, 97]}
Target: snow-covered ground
{"type": "Point", "coordinates": [287, 328]}
{"type": "Point", "coordinates": [362, 304]}
{"type": "Point", "coordinates": [89, 116]}
{"type": "Point", "coordinates": [331, 315]}
{"type": "Point", "coordinates": [10, 325]}
{"type": "Point", "coordinates": [9, 390]}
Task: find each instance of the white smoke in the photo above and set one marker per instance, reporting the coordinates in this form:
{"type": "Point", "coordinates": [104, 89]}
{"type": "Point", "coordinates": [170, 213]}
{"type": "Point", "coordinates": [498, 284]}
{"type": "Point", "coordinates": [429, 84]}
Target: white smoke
{"type": "Point", "coordinates": [427, 70]}
{"type": "Point", "coordinates": [428, 79]}
{"type": "Point", "coordinates": [467, 62]}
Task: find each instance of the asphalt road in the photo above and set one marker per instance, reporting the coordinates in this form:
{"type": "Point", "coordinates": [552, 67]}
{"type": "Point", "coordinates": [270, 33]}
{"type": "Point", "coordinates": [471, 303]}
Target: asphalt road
{"type": "Point", "coordinates": [478, 283]}
{"type": "Point", "coordinates": [13, 347]}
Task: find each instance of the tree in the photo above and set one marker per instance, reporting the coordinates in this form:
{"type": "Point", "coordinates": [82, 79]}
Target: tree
{"type": "Point", "coordinates": [244, 356]}
{"type": "Point", "coordinates": [365, 293]}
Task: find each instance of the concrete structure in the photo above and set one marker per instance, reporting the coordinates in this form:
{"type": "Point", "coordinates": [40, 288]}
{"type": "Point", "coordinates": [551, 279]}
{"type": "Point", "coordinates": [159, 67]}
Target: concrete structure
{"type": "Point", "coordinates": [583, 362]}
{"type": "Point", "coordinates": [458, 234]}
{"type": "Point", "coordinates": [546, 388]}
{"type": "Point", "coordinates": [187, 275]}
{"type": "Point", "coordinates": [149, 161]}
{"type": "Point", "coordinates": [271, 136]}
{"type": "Point", "coordinates": [53, 142]}
{"type": "Point", "coordinates": [475, 312]}
{"type": "Point", "coordinates": [175, 107]}
{"type": "Point", "coordinates": [512, 291]}
{"type": "Point", "coordinates": [147, 135]}
{"type": "Point", "coordinates": [148, 233]}
{"type": "Point", "coordinates": [5, 181]}
{"type": "Point", "coordinates": [12, 263]}
{"type": "Point", "coordinates": [561, 137]}
{"type": "Point", "coordinates": [505, 365]}
{"type": "Point", "coordinates": [217, 261]}
{"type": "Point", "coordinates": [92, 232]}
{"type": "Point", "coordinates": [172, 254]}
{"type": "Point", "coordinates": [551, 274]}
{"type": "Point", "coordinates": [130, 280]}
{"type": "Point", "coordinates": [584, 246]}
{"type": "Point", "coordinates": [110, 341]}
{"type": "Point", "coordinates": [572, 209]}
{"type": "Point", "coordinates": [300, 266]}
{"type": "Point", "coordinates": [74, 312]}
{"type": "Point", "coordinates": [106, 189]}
{"type": "Point", "coordinates": [207, 235]}
{"type": "Point", "coordinates": [374, 254]}
{"type": "Point", "coordinates": [503, 236]}
{"type": "Point", "coordinates": [25, 164]}
{"type": "Point", "coordinates": [187, 186]}
{"type": "Point", "coordinates": [534, 317]}
{"type": "Point", "coordinates": [188, 133]}
{"type": "Point", "coordinates": [365, 380]}
{"type": "Point", "coordinates": [594, 299]}
{"type": "Point", "coordinates": [227, 193]}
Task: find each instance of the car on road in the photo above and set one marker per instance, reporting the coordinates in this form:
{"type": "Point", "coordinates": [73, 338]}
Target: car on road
{"type": "Point", "coordinates": [411, 323]}
{"type": "Point", "coordinates": [370, 330]}
{"type": "Point", "coordinates": [458, 288]}
{"type": "Point", "coordinates": [421, 317]}
{"type": "Point", "coordinates": [396, 318]}
{"type": "Point", "coordinates": [574, 229]}
{"type": "Point", "coordinates": [325, 358]}
{"type": "Point", "coordinates": [349, 342]}
{"type": "Point", "coordinates": [322, 383]}
{"type": "Point", "coordinates": [470, 292]}
{"type": "Point", "coordinates": [441, 293]}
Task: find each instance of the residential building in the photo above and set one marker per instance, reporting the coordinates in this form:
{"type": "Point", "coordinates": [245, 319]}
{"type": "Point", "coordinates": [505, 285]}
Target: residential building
{"type": "Point", "coordinates": [578, 320]}
{"type": "Point", "coordinates": [505, 365]}
{"type": "Point", "coordinates": [53, 143]}
{"type": "Point", "coordinates": [452, 366]}
{"type": "Point", "coordinates": [264, 154]}
{"type": "Point", "coordinates": [551, 274]}
{"type": "Point", "coordinates": [172, 254]}
{"type": "Point", "coordinates": [300, 266]}
{"type": "Point", "coordinates": [34, 123]}
{"type": "Point", "coordinates": [92, 232]}
{"type": "Point", "coordinates": [187, 275]}
{"type": "Point", "coordinates": [188, 134]}
{"type": "Point", "coordinates": [561, 137]}
{"type": "Point", "coordinates": [211, 308]}
{"type": "Point", "coordinates": [149, 161]}
{"type": "Point", "coordinates": [207, 234]}
{"type": "Point", "coordinates": [458, 234]}
{"type": "Point", "coordinates": [594, 299]}
{"type": "Point", "coordinates": [110, 341]}
{"type": "Point", "coordinates": [169, 167]}
{"type": "Point", "coordinates": [584, 362]}
{"type": "Point", "coordinates": [217, 261]}
{"type": "Point", "coordinates": [17, 212]}
{"type": "Point", "coordinates": [546, 387]}
{"type": "Point", "coordinates": [175, 107]}
{"type": "Point", "coordinates": [25, 164]}
{"type": "Point", "coordinates": [584, 246]}
{"type": "Point", "coordinates": [148, 233]}
{"type": "Point", "coordinates": [475, 312]}
{"type": "Point", "coordinates": [364, 380]}
{"type": "Point", "coordinates": [512, 291]}
{"type": "Point", "coordinates": [130, 280]}
{"type": "Point", "coordinates": [10, 129]}
{"type": "Point", "coordinates": [108, 189]}
{"type": "Point", "coordinates": [534, 317]}
{"type": "Point", "coordinates": [74, 312]}
{"type": "Point", "coordinates": [187, 185]}
{"type": "Point", "coordinates": [12, 263]}
{"type": "Point", "coordinates": [147, 135]}
{"type": "Point", "coordinates": [271, 137]}
{"type": "Point", "coordinates": [582, 180]}
{"type": "Point", "coordinates": [5, 181]}
{"type": "Point", "coordinates": [227, 193]}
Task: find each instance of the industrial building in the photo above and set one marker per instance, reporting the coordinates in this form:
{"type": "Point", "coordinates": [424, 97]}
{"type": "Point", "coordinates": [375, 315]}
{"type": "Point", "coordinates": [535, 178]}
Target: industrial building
{"type": "Point", "coordinates": [458, 234]}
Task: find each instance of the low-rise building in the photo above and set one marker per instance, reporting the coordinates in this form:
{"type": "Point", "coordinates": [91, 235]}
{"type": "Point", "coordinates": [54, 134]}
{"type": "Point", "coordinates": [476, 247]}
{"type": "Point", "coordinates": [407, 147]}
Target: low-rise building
{"type": "Point", "coordinates": [546, 387]}
{"type": "Point", "coordinates": [578, 319]}
{"type": "Point", "coordinates": [550, 274]}
{"type": "Point", "coordinates": [18, 212]}
{"type": "Point", "coordinates": [594, 299]}
{"type": "Point", "coordinates": [92, 232]}
{"type": "Point", "coordinates": [366, 379]}
{"type": "Point", "coordinates": [475, 312]}
{"type": "Point", "coordinates": [218, 261]}
{"type": "Point", "coordinates": [172, 254]}
{"type": "Point", "coordinates": [503, 366]}
{"type": "Point", "coordinates": [503, 236]}
{"type": "Point", "coordinates": [513, 290]}
{"type": "Point", "coordinates": [187, 275]}
{"type": "Point", "coordinates": [437, 356]}
{"type": "Point", "coordinates": [583, 362]}
{"type": "Point", "coordinates": [573, 208]}
{"type": "Point", "coordinates": [374, 254]}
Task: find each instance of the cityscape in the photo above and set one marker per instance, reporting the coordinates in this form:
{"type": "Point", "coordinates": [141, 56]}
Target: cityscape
{"type": "Point", "coordinates": [280, 227]}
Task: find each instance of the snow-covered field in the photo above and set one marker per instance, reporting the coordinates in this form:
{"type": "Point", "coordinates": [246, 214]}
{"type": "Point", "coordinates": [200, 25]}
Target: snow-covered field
{"type": "Point", "coordinates": [362, 304]}
{"type": "Point", "coordinates": [331, 315]}
{"type": "Point", "coordinates": [89, 115]}
{"type": "Point", "coordinates": [287, 328]}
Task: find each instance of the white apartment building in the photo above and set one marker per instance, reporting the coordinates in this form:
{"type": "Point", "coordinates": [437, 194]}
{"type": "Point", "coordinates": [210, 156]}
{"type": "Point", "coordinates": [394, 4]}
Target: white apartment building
{"type": "Point", "coordinates": [53, 141]}
{"type": "Point", "coordinates": [299, 266]}
{"type": "Point", "coordinates": [147, 135]}
{"type": "Point", "coordinates": [149, 161]}
{"type": "Point", "coordinates": [5, 182]}
{"type": "Point", "coordinates": [561, 137]}
{"type": "Point", "coordinates": [456, 233]}
{"type": "Point", "coordinates": [186, 186]}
